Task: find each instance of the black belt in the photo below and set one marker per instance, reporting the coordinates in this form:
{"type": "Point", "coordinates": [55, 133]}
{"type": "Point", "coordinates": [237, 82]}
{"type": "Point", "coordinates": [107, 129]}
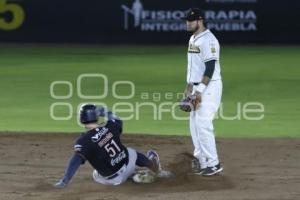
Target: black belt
{"type": "Point", "coordinates": [116, 173]}
{"type": "Point", "coordinates": [112, 176]}
{"type": "Point", "coordinates": [200, 82]}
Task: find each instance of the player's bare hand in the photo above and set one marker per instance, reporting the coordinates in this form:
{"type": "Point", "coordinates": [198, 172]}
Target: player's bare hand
{"type": "Point", "coordinates": [195, 100]}
{"type": "Point", "coordinates": [100, 111]}
{"type": "Point", "coordinates": [188, 90]}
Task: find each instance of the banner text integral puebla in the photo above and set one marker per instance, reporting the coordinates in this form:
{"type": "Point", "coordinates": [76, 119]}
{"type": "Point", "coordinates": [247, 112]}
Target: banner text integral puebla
{"type": "Point", "coordinates": [141, 19]}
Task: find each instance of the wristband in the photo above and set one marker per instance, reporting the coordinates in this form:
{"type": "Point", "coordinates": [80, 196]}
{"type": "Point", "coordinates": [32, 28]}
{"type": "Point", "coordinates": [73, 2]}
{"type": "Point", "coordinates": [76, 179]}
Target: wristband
{"type": "Point", "coordinates": [199, 88]}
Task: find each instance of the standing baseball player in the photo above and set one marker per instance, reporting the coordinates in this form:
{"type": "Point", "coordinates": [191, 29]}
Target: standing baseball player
{"type": "Point", "coordinates": [203, 91]}
{"type": "Point", "coordinates": [101, 146]}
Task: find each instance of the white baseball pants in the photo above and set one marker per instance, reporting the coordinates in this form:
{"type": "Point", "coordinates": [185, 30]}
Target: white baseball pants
{"type": "Point", "coordinates": [201, 125]}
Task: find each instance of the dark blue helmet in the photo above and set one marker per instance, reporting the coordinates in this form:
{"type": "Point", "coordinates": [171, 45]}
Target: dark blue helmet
{"type": "Point", "coordinates": [88, 114]}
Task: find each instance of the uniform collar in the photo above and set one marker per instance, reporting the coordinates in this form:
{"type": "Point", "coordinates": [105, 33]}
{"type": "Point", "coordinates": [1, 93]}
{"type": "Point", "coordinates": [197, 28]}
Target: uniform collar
{"type": "Point", "coordinates": [201, 34]}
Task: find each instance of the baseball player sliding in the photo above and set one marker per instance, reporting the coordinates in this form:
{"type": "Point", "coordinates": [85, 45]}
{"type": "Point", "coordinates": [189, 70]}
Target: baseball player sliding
{"type": "Point", "coordinates": [203, 92]}
{"type": "Point", "coordinates": [101, 146]}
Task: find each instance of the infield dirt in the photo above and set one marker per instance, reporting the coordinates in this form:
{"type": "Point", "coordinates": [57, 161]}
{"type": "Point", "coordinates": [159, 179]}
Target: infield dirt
{"type": "Point", "coordinates": [258, 169]}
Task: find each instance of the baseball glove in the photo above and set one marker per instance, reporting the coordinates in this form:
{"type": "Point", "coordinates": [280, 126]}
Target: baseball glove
{"type": "Point", "coordinates": [190, 103]}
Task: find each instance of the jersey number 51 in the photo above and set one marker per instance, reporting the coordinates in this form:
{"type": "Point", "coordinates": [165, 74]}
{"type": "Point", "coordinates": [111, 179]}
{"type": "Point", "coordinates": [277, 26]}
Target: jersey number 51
{"type": "Point", "coordinates": [112, 148]}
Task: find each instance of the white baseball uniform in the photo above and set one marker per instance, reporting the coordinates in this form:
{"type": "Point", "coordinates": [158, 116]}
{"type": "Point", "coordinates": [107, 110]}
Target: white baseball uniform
{"type": "Point", "coordinates": [202, 48]}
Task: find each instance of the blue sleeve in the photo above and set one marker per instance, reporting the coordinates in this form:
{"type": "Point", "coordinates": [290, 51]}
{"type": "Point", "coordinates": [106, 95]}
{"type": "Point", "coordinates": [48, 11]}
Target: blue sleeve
{"type": "Point", "coordinates": [72, 167]}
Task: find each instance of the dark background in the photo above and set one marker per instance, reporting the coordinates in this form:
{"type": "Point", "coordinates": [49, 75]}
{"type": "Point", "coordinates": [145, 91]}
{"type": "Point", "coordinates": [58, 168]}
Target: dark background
{"type": "Point", "coordinates": [98, 21]}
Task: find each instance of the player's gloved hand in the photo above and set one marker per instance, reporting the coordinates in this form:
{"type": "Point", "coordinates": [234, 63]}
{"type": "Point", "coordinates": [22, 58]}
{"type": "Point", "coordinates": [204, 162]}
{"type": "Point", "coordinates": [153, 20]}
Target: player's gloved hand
{"type": "Point", "coordinates": [185, 105]}
{"type": "Point", "coordinates": [101, 111]}
{"type": "Point", "coordinates": [60, 184]}
{"type": "Point", "coordinates": [191, 102]}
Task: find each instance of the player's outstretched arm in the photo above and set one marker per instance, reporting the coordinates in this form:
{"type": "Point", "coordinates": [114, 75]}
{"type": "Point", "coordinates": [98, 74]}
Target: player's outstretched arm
{"type": "Point", "coordinates": [104, 112]}
{"type": "Point", "coordinates": [71, 169]}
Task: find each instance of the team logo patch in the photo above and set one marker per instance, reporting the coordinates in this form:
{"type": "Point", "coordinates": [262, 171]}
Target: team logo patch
{"type": "Point", "coordinates": [193, 48]}
{"type": "Point", "coordinates": [213, 50]}
{"type": "Point", "coordinates": [100, 133]}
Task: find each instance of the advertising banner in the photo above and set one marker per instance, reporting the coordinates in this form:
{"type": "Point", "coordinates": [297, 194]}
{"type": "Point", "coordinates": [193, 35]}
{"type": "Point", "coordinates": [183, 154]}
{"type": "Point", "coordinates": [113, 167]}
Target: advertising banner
{"type": "Point", "coordinates": [146, 21]}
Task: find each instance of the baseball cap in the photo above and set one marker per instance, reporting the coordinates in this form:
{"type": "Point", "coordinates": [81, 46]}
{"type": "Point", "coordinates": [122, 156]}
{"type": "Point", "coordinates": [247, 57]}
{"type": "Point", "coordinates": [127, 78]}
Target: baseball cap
{"type": "Point", "coordinates": [194, 14]}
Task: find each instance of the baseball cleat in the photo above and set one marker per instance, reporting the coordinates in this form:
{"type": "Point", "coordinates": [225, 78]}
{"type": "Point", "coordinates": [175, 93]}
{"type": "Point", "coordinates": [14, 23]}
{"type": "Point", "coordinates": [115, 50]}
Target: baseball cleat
{"type": "Point", "coordinates": [165, 174]}
{"type": "Point", "coordinates": [144, 176]}
{"type": "Point", "coordinates": [200, 172]}
{"type": "Point", "coordinates": [195, 165]}
{"type": "Point", "coordinates": [210, 171]}
{"type": "Point", "coordinates": [153, 155]}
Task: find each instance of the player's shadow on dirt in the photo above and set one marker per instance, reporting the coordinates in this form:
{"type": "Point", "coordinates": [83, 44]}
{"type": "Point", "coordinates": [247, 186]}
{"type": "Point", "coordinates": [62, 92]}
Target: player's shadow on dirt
{"type": "Point", "coordinates": [183, 180]}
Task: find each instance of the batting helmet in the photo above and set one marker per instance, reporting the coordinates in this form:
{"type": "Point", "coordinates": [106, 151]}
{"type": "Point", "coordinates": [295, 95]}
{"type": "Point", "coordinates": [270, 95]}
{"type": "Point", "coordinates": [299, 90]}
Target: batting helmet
{"type": "Point", "coordinates": [88, 114]}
